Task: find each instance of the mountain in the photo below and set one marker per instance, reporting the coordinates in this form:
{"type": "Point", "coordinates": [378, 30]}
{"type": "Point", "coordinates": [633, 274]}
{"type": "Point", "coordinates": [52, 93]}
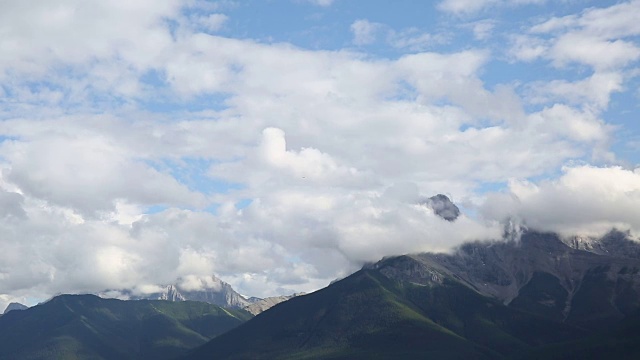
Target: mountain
{"type": "Point", "coordinates": [540, 273]}
{"type": "Point", "coordinates": [15, 306]}
{"type": "Point", "coordinates": [534, 297]}
{"type": "Point", "coordinates": [210, 290]}
{"type": "Point", "coordinates": [441, 206]}
{"type": "Point", "coordinates": [89, 327]}
{"type": "Point", "coordinates": [260, 305]}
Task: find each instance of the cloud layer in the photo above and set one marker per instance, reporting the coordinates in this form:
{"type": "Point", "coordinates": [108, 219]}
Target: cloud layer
{"type": "Point", "coordinates": [148, 141]}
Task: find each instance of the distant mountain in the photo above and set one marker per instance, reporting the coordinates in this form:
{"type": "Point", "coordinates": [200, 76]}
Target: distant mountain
{"type": "Point", "coordinates": [260, 305]}
{"type": "Point", "coordinates": [15, 306]}
{"type": "Point", "coordinates": [210, 290]}
{"type": "Point", "coordinates": [88, 327]}
{"type": "Point", "coordinates": [537, 297]}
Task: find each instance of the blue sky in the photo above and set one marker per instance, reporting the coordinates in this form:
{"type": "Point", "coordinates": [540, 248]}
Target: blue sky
{"type": "Point", "coordinates": [281, 144]}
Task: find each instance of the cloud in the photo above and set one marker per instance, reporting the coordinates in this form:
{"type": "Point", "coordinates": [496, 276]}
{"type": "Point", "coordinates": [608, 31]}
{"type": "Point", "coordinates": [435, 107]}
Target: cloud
{"type": "Point", "coordinates": [414, 40]}
{"type": "Point", "coordinates": [364, 31]}
{"type": "Point", "coordinates": [212, 22]}
{"type": "Point", "coordinates": [585, 200]}
{"type": "Point", "coordinates": [594, 91]}
{"type": "Point", "coordinates": [470, 7]}
{"type": "Point", "coordinates": [597, 37]}
{"type": "Point", "coordinates": [483, 29]}
{"type": "Point", "coordinates": [136, 153]}
{"type": "Point", "coordinates": [88, 174]}
{"type": "Point", "coordinates": [324, 3]}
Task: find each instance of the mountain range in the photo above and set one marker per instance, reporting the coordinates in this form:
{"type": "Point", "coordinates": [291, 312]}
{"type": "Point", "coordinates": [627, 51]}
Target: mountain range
{"type": "Point", "coordinates": [210, 289]}
{"type": "Point", "coordinates": [537, 296]}
{"type": "Point", "coordinates": [531, 296]}
{"type": "Point", "coordinates": [215, 291]}
{"type": "Point", "coordinates": [89, 327]}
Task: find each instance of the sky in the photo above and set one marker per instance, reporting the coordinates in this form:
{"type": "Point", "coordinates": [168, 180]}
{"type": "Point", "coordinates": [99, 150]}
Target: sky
{"type": "Point", "coordinates": [281, 144]}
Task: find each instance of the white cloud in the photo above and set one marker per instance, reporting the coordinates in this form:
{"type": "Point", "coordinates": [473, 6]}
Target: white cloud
{"type": "Point", "coordinates": [212, 22]}
{"type": "Point", "coordinates": [89, 173]}
{"type": "Point", "coordinates": [39, 35]}
{"type": "Point", "coordinates": [598, 53]}
{"type": "Point", "coordinates": [414, 40]}
{"type": "Point", "coordinates": [597, 37]}
{"type": "Point", "coordinates": [364, 31]}
{"type": "Point", "coordinates": [482, 30]}
{"type": "Point", "coordinates": [314, 139]}
{"type": "Point", "coordinates": [585, 200]}
{"type": "Point", "coordinates": [469, 7]}
{"type": "Point", "coordinates": [593, 92]}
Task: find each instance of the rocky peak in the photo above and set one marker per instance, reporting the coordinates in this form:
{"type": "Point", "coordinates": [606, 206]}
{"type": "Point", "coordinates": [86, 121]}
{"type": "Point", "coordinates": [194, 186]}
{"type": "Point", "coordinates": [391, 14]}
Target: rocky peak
{"type": "Point", "coordinates": [510, 270]}
{"type": "Point", "coordinates": [260, 305]}
{"type": "Point", "coordinates": [209, 289]}
{"type": "Point", "coordinates": [442, 206]}
{"type": "Point", "coordinates": [15, 306]}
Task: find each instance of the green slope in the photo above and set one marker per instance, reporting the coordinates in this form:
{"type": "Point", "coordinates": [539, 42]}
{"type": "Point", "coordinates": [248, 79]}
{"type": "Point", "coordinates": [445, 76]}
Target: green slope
{"type": "Point", "coordinates": [88, 327]}
{"type": "Point", "coordinates": [368, 316]}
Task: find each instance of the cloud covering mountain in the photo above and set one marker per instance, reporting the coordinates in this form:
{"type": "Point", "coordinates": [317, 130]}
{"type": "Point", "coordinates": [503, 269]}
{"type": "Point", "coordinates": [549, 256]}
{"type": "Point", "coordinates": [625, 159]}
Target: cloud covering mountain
{"type": "Point", "coordinates": [142, 142]}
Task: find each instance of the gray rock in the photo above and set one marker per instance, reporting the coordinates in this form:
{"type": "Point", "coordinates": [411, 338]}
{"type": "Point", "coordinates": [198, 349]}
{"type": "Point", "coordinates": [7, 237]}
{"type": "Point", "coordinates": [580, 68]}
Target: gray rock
{"type": "Point", "coordinates": [501, 269]}
{"type": "Point", "coordinates": [15, 306]}
{"type": "Point", "coordinates": [442, 206]}
{"type": "Point", "coordinates": [265, 304]}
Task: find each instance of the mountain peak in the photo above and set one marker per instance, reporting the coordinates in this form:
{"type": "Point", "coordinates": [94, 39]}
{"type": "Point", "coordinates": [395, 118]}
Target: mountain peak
{"type": "Point", "coordinates": [15, 306]}
{"type": "Point", "coordinates": [209, 289]}
{"type": "Point", "coordinates": [442, 206]}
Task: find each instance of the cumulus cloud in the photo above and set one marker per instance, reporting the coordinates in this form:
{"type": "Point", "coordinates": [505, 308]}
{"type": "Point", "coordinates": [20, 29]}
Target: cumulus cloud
{"type": "Point", "coordinates": [598, 37]}
{"type": "Point", "coordinates": [585, 200]}
{"type": "Point", "coordinates": [141, 152]}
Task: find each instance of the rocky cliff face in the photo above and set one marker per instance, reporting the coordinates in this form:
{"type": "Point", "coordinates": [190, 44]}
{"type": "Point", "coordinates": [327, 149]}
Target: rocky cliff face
{"type": "Point", "coordinates": [210, 290]}
{"type": "Point", "coordinates": [540, 273]}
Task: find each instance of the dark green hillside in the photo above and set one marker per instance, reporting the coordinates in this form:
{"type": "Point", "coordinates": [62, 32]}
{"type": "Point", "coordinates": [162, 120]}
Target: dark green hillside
{"type": "Point", "coordinates": [88, 327]}
{"type": "Point", "coordinates": [368, 316]}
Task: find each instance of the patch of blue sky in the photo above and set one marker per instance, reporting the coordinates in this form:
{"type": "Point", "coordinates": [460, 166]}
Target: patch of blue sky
{"type": "Point", "coordinates": [158, 208]}
{"type": "Point", "coordinates": [33, 301]}
{"type": "Point", "coordinates": [294, 259]}
{"type": "Point", "coordinates": [155, 209]}
{"type": "Point", "coordinates": [304, 25]}
{"type": "Point", "coordinates": [4, 138]}
{"type": "Point", "coordinates": [243, 203]}
{"type": "Point", "coordinates": [212, 209]}
{"type": "Point", "coordinates": [201, 102]}
{"type": "Point", "coordinates": [624, 114]}
{"type": "Point", "coordinates": [316, 27]}
{"type": "Point", "coordinates": [553, 173]}
{"type": "Point", "coordinates": [490, 187]}
{"type": "Point", "coordinates": [193, 173]}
